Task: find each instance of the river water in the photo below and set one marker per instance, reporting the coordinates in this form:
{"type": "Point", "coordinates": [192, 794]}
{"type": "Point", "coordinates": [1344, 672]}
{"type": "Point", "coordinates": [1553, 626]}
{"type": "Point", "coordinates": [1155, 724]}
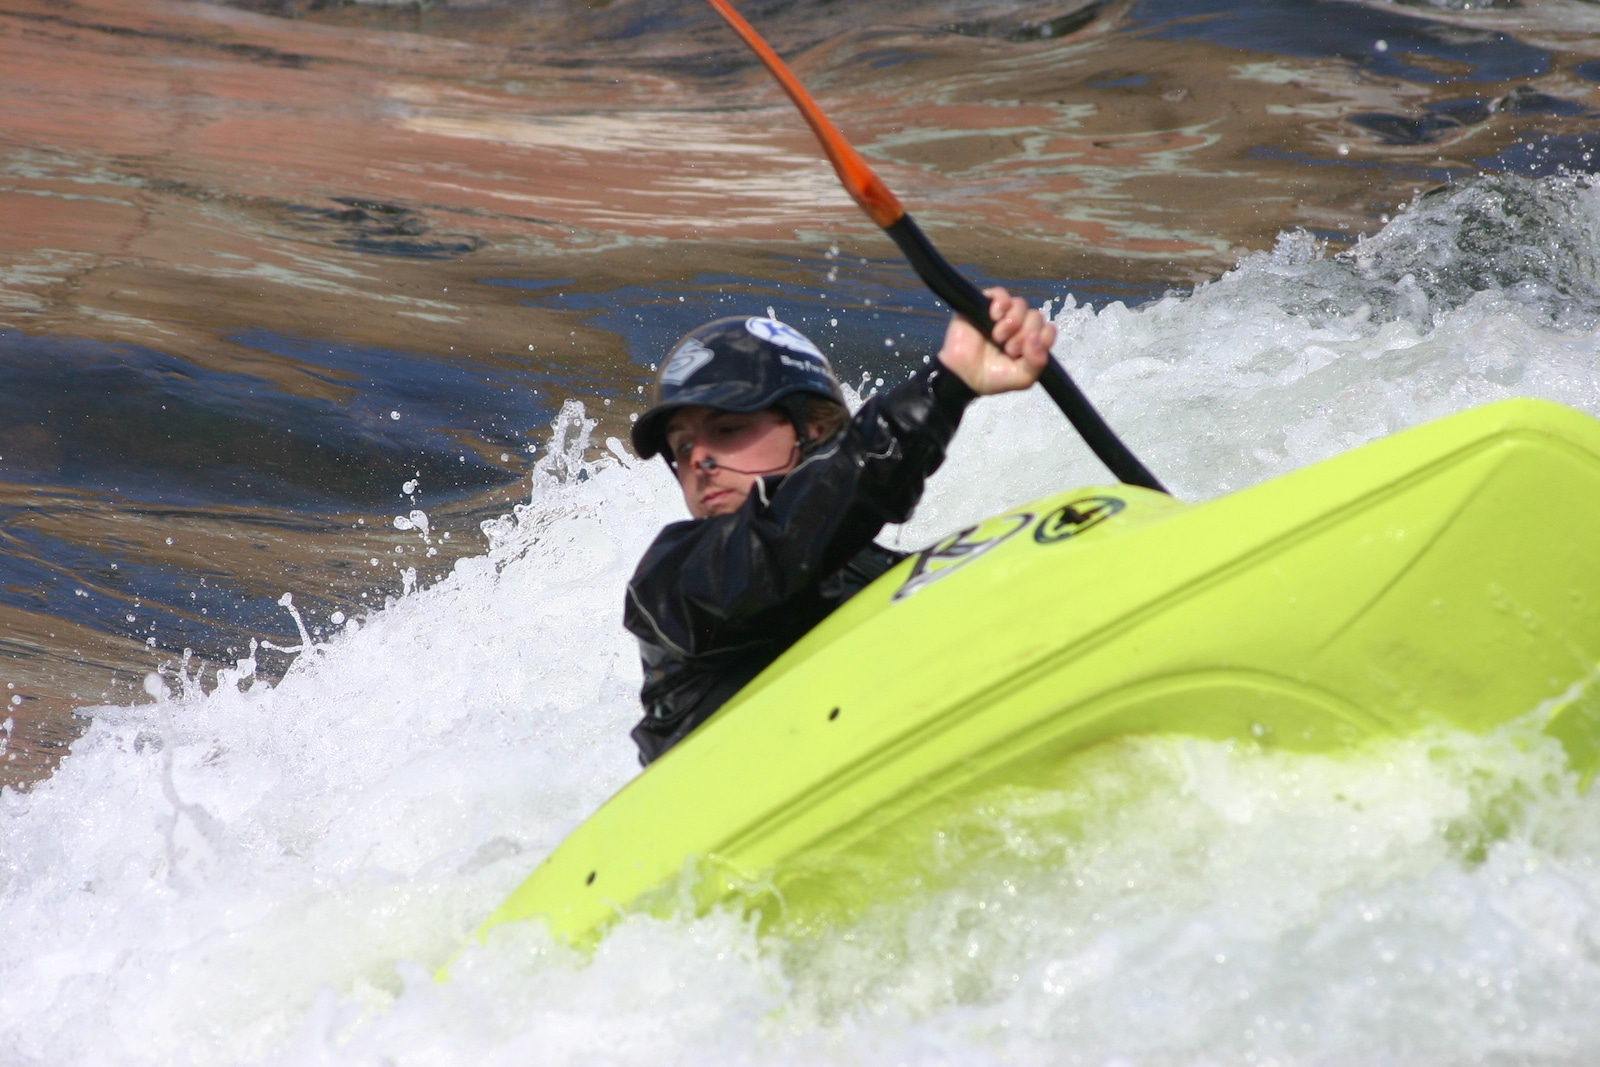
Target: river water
{"type": "Point", "coordinates": [319, 328]}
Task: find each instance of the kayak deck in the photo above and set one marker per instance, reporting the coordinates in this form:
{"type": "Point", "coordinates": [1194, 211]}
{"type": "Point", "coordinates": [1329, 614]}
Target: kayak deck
{"type": "Point", "coordinates": [1447, 575]}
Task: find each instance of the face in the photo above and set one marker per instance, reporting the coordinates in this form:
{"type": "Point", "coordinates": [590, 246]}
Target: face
{"type": "Point", "coordinates": [744, 446]}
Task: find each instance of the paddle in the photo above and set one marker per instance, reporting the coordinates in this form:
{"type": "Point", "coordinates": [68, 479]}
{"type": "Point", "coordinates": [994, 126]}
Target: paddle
{"type": "Point", "coordinates": [935, 271]}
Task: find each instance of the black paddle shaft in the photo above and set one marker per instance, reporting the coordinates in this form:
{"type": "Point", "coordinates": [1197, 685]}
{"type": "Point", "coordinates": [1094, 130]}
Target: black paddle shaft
{"type": "Point", "coordinates": [966, 300]}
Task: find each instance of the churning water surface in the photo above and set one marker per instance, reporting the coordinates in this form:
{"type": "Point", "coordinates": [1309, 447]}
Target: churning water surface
{"type": "Point", "coordinates": [355, 310]}
{"type": "Point", "coordinates": [254, 873]}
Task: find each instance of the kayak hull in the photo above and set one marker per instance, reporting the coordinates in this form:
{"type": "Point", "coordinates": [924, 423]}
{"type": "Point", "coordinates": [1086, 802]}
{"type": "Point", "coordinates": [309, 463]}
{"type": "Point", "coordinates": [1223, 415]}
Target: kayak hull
{"type": "Point", "coordinates": [1446, 576]}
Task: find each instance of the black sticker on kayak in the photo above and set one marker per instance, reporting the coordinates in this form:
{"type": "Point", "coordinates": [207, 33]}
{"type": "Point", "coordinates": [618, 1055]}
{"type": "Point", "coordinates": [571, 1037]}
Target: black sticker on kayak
{"type": "Point", "coordinates": [1070, 520]}
{"type": "Point", "coordinates": [959, 549]}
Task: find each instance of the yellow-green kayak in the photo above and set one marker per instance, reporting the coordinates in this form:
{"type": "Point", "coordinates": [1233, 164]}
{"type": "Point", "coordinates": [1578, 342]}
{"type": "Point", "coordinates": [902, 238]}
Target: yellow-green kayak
{"type": "Point", "coordinates": [1447, 575]}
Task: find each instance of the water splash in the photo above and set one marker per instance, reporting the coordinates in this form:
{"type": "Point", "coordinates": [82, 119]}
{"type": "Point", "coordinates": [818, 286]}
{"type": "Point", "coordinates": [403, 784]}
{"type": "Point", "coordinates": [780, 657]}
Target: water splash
{"type": "Point", "coordinates": [270, 874]}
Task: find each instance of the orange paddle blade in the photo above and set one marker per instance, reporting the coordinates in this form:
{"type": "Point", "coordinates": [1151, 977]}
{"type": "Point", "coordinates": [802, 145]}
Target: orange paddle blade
{"type": "Point", "coordinates": [859, 181]}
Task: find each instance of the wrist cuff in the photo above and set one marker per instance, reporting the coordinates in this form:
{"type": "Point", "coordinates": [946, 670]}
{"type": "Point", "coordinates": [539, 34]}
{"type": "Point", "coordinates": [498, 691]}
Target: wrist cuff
{"type": "Point", "coordinates": [949, 392]}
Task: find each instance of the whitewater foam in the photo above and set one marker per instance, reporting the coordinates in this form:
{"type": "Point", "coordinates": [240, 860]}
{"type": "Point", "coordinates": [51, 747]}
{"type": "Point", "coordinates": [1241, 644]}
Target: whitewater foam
{"type": "Point", "coordinates": [264, 874]}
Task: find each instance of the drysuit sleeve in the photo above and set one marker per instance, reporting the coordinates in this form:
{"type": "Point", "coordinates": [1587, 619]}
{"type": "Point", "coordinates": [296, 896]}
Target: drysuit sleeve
{"type": "Point", "coordinates": [702, 583]}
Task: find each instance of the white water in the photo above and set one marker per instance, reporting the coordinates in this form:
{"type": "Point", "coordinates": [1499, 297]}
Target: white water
{"type": "Point", "coordinates": [271, 876]}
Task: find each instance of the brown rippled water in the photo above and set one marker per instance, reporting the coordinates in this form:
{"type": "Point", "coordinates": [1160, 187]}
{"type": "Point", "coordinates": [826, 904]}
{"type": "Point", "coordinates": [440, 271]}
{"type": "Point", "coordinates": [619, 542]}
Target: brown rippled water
{"type": "Point", "coordinates": [327, 207]}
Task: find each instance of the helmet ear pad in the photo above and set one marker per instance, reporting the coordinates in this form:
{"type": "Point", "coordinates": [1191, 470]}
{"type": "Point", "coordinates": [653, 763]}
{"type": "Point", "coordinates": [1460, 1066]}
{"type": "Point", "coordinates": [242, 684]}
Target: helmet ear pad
{"type": "Point", "coordinates": [740, 365]}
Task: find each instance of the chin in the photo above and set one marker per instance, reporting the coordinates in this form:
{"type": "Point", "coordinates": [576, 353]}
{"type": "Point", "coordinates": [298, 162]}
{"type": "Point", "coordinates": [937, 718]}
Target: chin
{"type": "Point", "coordinates": [721, 506]}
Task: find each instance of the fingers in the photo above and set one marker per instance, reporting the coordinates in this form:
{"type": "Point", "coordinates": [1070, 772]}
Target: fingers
{"type": "Point", "coordinates": [1019, 331]}
{"type": "Point", "coordinates": [1008, 312]}
{"type": "Point", "coordinates": [1036, 338]}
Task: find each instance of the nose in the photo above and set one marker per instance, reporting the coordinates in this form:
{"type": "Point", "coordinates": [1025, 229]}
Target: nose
{"type": "Point", "coordinates": [700, 458]}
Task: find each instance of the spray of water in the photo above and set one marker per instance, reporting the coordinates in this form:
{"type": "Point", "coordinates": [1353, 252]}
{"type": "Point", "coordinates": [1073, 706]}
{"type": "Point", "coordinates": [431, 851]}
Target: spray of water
{"type": "Point", "coordinates": [237, 873]}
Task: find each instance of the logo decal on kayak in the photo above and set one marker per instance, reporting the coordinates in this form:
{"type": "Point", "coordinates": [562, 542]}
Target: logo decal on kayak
{"type": "Point", "coordinates": [945, 557]}
{"type": "Point", "coordinates": [1070, 520]}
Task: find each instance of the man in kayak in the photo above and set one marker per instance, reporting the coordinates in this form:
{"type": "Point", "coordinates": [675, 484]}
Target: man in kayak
{"type": "Point", "coordinates": [787, 492]}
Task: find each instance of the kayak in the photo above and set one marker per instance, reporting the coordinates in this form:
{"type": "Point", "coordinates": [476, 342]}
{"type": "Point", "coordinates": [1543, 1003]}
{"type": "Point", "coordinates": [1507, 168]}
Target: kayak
{"type": "Point", "coordinates": [1447, 576]}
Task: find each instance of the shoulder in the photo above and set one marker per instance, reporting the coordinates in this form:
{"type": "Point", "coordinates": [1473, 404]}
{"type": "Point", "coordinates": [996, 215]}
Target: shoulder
{"type": "Point", "coordinates": [697, 542]}
{"type": "Point", "coordinates": [669, 542]}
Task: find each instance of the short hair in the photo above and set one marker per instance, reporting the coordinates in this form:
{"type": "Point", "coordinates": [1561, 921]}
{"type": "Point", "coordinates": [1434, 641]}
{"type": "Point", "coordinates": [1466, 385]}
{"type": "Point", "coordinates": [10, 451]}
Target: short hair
{"type": "Point", "coordinates": [827, 416]}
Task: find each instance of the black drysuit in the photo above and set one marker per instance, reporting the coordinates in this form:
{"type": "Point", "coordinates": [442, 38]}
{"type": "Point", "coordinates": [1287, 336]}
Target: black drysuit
{"type": "Point", "coordinates": [715, 600]}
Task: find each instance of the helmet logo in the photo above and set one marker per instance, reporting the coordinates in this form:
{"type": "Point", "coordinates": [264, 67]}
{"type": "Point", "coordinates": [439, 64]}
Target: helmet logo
{"type": "Point", "coordinates": [690, 357]}
{"type": "Point", "coordinates": [784, 336]}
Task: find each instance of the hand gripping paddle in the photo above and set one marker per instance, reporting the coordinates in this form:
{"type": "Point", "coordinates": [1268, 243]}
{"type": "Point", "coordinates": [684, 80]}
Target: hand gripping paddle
{"type": "Point", "coordinates": [935, 271]}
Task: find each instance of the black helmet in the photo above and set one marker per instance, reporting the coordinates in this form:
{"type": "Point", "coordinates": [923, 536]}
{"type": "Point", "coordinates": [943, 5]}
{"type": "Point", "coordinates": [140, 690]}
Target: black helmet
{"type": "Point", "coordinates": [737, 364]}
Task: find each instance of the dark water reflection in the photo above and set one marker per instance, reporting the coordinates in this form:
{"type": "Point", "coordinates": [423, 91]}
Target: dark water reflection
{"type": "Point", "coordinates": [147, 426]}
{"type": "Point", "coordinates": [871, 316]}
{"type": "Point", "coordinates": [1548, 155]}
{"type": "Point", "coordinates": [1377, 39]}
{"type": "Point", "coordinates": [275, 272]}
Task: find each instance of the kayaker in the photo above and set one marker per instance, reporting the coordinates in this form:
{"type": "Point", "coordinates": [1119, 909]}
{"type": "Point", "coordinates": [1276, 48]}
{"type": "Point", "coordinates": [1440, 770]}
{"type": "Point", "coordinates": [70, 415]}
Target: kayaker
{"type": "Point", "coordinates": [787, 492]}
